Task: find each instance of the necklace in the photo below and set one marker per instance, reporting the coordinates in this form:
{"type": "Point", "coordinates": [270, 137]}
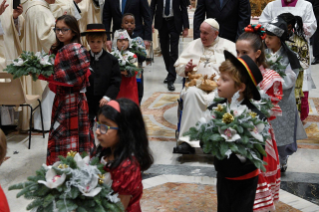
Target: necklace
{"type": "Point", "coordinates": [206, 59]}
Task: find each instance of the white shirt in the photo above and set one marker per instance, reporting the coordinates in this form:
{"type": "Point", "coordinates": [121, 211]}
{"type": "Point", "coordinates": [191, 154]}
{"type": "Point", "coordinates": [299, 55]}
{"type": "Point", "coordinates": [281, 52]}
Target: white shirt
{"type": "Point", "coordinates": [1, 29]}
{"type": "Point", "coordinates": [171, 13]}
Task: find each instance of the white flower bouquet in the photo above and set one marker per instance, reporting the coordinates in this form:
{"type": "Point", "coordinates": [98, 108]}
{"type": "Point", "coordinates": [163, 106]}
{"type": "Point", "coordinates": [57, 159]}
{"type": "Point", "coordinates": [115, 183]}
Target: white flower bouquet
{"type": "Point", "coordinates": [73, 184]}
{"type": "Point", "coordinates": [232, 129]}
{"type": "Point", "coordinates": [34, 64]}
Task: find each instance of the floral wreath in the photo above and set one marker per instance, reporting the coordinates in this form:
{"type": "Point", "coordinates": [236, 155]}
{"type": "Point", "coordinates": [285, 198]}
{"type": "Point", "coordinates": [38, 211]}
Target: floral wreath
{"type": "Point", "coordinates": [256, 28]}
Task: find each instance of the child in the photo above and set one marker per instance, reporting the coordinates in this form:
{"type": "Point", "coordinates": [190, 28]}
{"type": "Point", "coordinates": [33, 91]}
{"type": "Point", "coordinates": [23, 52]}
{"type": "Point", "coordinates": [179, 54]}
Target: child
{"type": "Point", "coordinates": [4, 206]}
{"type": "Point", "coordinates": [70, 126]}
{"type": "Point", "coordinates": [124, 149]}
{"type": "Point", "coordinates": [285, 62]}
{"type": "Point", "coordinates": [105, 78]}
{"type": "Point", "coordinates": [128, 23]}
{"type": "Point", "coordinates": [251, 43]}
{"type": "Point", "coordinates": [300, 46]}
{"type": "Point", "coordinates": [128, 65]}
{"type": "Point", "coordinates": [237, 177]}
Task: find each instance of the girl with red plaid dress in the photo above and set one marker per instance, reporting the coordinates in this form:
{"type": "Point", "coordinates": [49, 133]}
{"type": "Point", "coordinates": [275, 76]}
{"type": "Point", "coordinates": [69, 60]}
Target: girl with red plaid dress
{"type": "Point", "coordinates": [250, 43]}
{"type": "Point", "coordinates": [70, 126]}
{"type": "Point", "coordinates": [124, 149]}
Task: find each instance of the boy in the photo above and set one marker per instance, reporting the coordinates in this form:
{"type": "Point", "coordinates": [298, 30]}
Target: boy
{"type": "Point", "coordinates": [105, 78]}
{"type": "Point", "coordinates": [128, 23]}
{"type": "Point", "coordinates": [237, 177]}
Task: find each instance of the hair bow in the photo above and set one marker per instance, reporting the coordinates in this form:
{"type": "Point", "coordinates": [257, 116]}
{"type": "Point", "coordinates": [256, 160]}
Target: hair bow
{"type": "Point", "coordinates": [256, 28]}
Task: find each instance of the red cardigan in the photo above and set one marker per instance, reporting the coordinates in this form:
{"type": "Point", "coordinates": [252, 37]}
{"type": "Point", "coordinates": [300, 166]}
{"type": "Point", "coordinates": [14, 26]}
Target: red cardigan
{"type": "Point", "coordinates": [4, 206]}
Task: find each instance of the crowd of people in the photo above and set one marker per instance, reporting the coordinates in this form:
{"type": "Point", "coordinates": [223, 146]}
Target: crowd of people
{"type": "Point", "coordinates": [97, 89]}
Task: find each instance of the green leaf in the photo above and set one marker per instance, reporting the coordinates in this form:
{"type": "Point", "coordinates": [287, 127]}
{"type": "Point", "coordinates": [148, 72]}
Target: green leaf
{"type": "Point", "coordinates": [244, 139]}
{"type": "Point", "coordinates": [81, 209]}
{"type": "Point", "coordinates": [66, 206]}
{"type": "Point", "coordinates": [216, 138]}
{"type": "Point", "coordinates": [48, 200]}
{"type": "Point", "coordinates": [240, 130]}
{"type": "Point", "coordinates": [223, 148]}
{"type": "Point", "coordinates": [35, 203]}
{"type": "Point", "coordinates": [260, 149]}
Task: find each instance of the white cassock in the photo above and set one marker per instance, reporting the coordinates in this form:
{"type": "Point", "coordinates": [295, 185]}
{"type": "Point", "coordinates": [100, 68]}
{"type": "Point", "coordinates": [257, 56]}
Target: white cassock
{"type": "Point", "coordinates": [61, 6]}
{"type": "Point", "coordinates": [39, 36]}
{"type": "Point", "coordinates": [195, 100]}
{"type": "Point", "coordinates": [10, 48]}
{"type": "Point", "coordinates": [305, 11]}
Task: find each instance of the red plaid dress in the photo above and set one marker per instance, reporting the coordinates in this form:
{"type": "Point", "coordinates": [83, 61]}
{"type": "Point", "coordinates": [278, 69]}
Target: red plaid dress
{"type": "Point", "coordinates": [268, 186]}
{"type": "Point", "coordinates": [70, 126]}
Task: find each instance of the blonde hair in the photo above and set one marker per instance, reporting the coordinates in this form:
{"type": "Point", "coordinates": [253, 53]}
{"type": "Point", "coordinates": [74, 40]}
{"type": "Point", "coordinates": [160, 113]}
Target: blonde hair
{"type": "Point", "coordinates": [96, 35]}
{"type": "Point", "coordinates": [228, 67]}
{"type": "Point", "coordinates": [3, 146]}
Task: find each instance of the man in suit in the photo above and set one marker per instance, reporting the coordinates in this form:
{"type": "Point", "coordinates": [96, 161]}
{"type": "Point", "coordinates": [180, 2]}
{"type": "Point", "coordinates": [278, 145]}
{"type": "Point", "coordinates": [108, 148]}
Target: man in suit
{"type": "Point", "coordinates": [114, 10]}
{"type": "Point", "coordinates": [171, 18]}
{"type": "Point", "coordinates": [232, 15]}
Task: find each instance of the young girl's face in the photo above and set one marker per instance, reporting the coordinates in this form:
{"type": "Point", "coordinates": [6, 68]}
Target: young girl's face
{"type": "Point", "coordinates": [272, 42]}
{"type": "Point", "coordinates": [122, 44]}
{"type": "Point", "coordinates": [226, 86]}
{"type": "Point", "coordinates": [110, 138]}
{"type": "Point", "coordinates": [244, 47]}
{"type": "Point", "coordinates": [63, 32]}
{"type": "Point", "coordinates": [128, 23]}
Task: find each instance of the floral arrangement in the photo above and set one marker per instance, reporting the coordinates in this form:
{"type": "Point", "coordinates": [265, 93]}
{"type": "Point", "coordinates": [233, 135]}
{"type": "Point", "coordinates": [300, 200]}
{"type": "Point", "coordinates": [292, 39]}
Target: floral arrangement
{"type": "Point", "coordinates": [277, 66]}
{"type": "Point", "coordinates": [232, 129]}
{"type": "Point", "coordinates": [264, 104]}
{"type": "Point", "coordinates": [137, 49]}
{"type": "Point", "coordinates": [72, 184]}
{"type": "Point", "coordinates": [126, 63]}
{"type": "Point", "coordinates": [34, 64]}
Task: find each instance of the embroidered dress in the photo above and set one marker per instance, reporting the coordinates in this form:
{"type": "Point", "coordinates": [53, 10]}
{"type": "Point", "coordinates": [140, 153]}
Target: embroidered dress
{"type": "Point", "coordinates": [267, 193]}
{"type": "Point", "coordinates": [127, 180]}
{"type": "Point", "coordinates": [70, 126]}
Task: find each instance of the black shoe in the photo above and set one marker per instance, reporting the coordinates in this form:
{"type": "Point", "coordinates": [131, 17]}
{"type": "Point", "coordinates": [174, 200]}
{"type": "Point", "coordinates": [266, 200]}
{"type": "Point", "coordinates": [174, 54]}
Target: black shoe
{"type": "Point", "coordinates": [165, 80]}
{"type": "Point", "coordinates": [170, 86]}
{"type": "Point", "coordinates": [315, 61]}
{"type": "Point", "coordinates": [184, 148]}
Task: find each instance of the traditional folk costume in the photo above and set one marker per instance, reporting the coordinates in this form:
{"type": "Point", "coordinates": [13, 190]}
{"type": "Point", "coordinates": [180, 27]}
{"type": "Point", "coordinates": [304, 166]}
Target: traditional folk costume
{"type": "Point", "coordinates": [105, 78]}
{"type": "Point", "coordinates": [126, 58]}
{"type": "Point", "coordinates": [237, 177]}
{"type": "Point", "coordinates": [70, 127]}
{"type": "Point", "coordinates": [288, 127]}
{"type": "Point", "coordinates": [268, 186]}
{"type": "Point", "coordinates": [195, 100]}
{"type": "Point", "coordinates": [303, 9]}
{"type": "Point", "coordinates": [38, 36]}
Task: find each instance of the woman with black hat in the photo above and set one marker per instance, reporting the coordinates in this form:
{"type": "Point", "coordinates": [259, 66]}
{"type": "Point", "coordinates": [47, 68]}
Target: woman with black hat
{"type": "Point", "coordinates": [284, 61]}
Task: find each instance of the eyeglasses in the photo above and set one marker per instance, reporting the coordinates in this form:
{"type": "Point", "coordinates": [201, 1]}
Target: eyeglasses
{"type": "Point", "coordinates": [64, 30]}
{"type": "Point", "coordinates": [103, 128]}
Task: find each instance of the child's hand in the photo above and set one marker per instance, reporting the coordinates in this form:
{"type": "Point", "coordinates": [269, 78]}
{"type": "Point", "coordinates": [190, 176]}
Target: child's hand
{"type": "Point", "coordinates": [103, 102]}
{"type": "Point", "coordinates": [109, 45]}
{"type": "Point", "coordinates": [124, 73]}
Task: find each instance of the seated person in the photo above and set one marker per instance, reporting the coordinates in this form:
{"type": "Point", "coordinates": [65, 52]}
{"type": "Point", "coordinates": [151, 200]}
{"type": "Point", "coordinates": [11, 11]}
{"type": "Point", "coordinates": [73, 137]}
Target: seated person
{"type": "Point", "coordinates": [203, 56]}
{"type": "Point", "coordinates": [105, 78]}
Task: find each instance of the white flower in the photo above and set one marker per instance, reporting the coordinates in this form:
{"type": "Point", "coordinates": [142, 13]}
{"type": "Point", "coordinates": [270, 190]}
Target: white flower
{"type": "Point", "coordinates": [90, 190]}
{"type": "Point", "coordinates": [239, 110]}
{"type": "Point", "coordinates": [45, 60]}
{"type": "Point", "coordinates": [81, 162]}
{"type": "Point", "coordinates": [230, 135]}
{"type": "Point", "coordinates": [52, 179]}
{"type": "Point", "coordinates": [257, 130]}
{"type": "Point", "coordinates": [107, 180]}
{"type": "Point", "coordinates": [46, 167]}
{"type": "Point", "coordinates": [19, 63]}
{"type": "Point", "coordinates": [113, 198]}
{"type": "Point", "coordinates": [38, 55]}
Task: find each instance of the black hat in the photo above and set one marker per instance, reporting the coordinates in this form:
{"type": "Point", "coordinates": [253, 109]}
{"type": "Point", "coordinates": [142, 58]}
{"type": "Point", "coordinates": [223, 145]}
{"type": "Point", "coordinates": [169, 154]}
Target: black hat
{"type": "Point", "coordinates": [277, 27]}
{"type": "Point", "coordinates": [94, 28]}
{"type": "Point", "coordinates": [249, 68]}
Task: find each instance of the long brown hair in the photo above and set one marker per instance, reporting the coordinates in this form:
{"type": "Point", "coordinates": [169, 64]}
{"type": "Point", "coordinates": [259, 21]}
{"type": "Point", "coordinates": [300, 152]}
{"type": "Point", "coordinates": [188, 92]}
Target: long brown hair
{"type": "Point", "coordinates": [72, 23]}
{"type": "Point", "coordinates": [257, 44]}
{"type": "Point", "coordinates": [3, 146]}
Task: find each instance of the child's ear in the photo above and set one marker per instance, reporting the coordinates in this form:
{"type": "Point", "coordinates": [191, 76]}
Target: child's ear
{"type": "Point", "coordinates": [241, 87]}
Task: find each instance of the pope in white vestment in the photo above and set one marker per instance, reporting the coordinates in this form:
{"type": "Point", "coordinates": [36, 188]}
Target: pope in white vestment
{"type": "Point", "coordinates": [207, 58]}
{"type": "Point", "coordinates": [39, 36]}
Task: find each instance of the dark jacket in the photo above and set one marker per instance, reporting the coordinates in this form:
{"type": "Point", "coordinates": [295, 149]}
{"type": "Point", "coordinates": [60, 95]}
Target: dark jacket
{"type": "Point", "coordinates": [105, 78]}
{"type": "Point", "coordinates": [233, 16]}
{"type": "Point", "coordinates": [139, 8]}
{"type": "Point", "coordinates": [233, 167]}
{"type": "Point", "coordinates": [179, 10]}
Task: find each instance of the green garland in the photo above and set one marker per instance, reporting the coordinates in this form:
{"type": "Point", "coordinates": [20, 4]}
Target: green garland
{"type": "Point", "coordinates": [137, 49]}
{"type": "Point", "coordinates": [34, 64]}
{"type": "Point", "coordinates": [277, 66]}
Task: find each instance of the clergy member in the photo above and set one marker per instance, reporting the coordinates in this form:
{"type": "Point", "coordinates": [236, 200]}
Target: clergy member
{"type": "Point", "coordinates": [39, 36]}
{"type": "Point", "coordinates": [66, 7]}
{"type": "Point", "coordinates": [203, 55]}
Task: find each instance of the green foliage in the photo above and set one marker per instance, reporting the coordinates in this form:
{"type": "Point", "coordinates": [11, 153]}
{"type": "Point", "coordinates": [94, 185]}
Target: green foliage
{"type": "Point", "coordinates": [31, 65]}
{"type": "Point", "coordinates": [277, 66]}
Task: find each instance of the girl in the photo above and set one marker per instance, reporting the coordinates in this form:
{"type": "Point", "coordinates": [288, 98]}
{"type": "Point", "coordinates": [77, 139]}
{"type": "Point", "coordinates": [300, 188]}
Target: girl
{"type": "Point", "coordinates": [285, 62]}
{"type": "Point", "coordinates": [300, 46]}
{"type": "Point", "coordinates": [70, 127]}
{"type": "Point", "coordinates": [4, 206]}
{"type": "Point", "coordinates": [250, 43]}
{"type": "Point", "coordinates": [124, 149]}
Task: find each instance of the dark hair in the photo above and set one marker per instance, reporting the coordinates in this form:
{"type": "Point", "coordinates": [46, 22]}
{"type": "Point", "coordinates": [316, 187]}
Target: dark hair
{"type": "Point", "coordinates": [95, 35]}
{"type": "Point", "coordinates": [72, 23]}
{"type": "Point", "coordinates": [257, 44]}
{"type": "Point", "coordinates": [127, 14]}
{"type": "Point", "coordinates": [296, 23]}
{"type": "Point", "coordinates": [132, 134]}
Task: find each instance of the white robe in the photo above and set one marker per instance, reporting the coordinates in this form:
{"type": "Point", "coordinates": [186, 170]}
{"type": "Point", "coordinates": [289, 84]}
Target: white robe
{"type": "Point", "coordinates": [39, 36]}
{"type": "Point", "coordinates": [195, 100]}
{"type": "Point", "coordinates": [305, 11]}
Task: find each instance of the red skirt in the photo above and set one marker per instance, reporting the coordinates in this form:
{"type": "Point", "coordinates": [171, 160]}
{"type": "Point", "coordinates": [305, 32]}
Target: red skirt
{"type": "Point", "coordinates": [267, 193]}
{"type": "Point", "coordinates": [128, 89]}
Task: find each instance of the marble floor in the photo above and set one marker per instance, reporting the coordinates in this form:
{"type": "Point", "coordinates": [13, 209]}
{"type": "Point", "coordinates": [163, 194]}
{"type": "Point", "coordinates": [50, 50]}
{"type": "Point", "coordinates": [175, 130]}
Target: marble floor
{"type": "Point", "coordinates": [187, 180]}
